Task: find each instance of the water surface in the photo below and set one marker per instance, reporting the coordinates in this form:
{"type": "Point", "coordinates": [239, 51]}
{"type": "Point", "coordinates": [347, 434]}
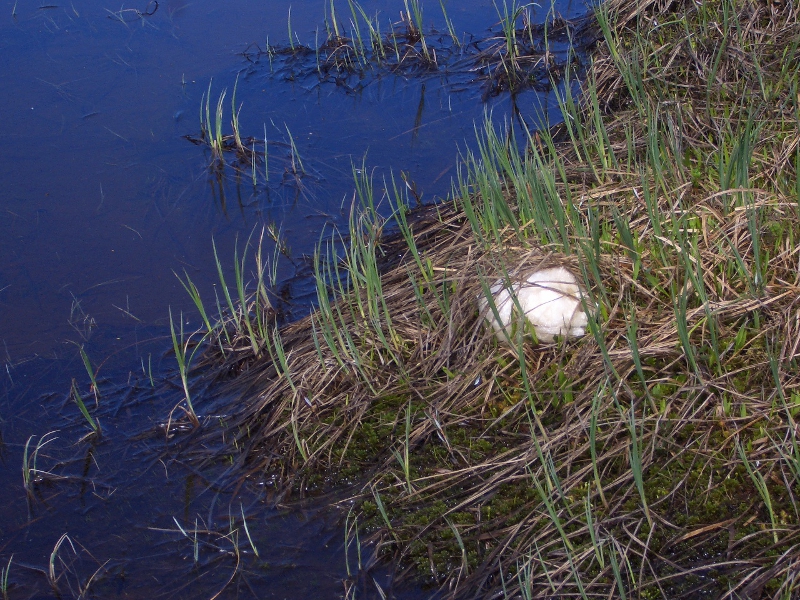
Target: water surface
{"type": "Point", "coordinates": [104, 200]}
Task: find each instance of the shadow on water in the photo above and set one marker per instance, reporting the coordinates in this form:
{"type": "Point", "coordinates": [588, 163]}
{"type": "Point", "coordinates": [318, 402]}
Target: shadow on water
{"type": "Point", "coordinates": [104, 201]}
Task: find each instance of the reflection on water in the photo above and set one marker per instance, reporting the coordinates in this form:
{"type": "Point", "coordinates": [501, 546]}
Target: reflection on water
{"type": "Point", "coordinates": [103, 201]}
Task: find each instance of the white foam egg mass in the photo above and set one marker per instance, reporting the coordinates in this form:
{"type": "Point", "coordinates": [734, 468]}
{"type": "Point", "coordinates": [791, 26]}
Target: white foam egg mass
{"type": "Point", "coordinates": [550, 299]}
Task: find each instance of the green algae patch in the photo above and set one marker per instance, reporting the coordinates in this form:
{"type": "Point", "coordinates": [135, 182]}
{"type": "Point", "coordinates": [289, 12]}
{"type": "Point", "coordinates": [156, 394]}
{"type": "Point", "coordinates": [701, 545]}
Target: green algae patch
{"type": "Point", "coordinates": [655, 457]}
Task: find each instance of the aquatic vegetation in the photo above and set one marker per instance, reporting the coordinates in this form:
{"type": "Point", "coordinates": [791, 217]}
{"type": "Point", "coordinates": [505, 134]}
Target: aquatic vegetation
{"type": "Point", "coordinates": [245, 154]}
{"type": "Point", "coordinates": [519, 54]}
{"type": "Point", "coordinates": [31, 473]}
{"type": "Point", "coordinates": [64, 568]}
{"type": "Point", "coordinates": [93, 423]}
{"type": "Point", "coordinates": [90, 372]}
{"type": "Point", "coordinates": [180, 347]}
{"type": "Point", "coordinates": [657, 455]}
{"type": "Point", "coordinates": [208, 544]}
{"type": "Point", "coordinates": [247, 532]}
{"type": "Point", "coordinates": [51, 574]}
{"type": "Point", "coordinates": [245, 312]}
{"type": "Point", "coordinates": [4, 578]}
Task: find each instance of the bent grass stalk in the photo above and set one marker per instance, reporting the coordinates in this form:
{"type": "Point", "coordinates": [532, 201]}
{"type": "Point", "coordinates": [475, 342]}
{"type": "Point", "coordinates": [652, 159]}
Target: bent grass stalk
{"type": "Point", "coordinates": [212, 130]}
{"type": "Point", "coordinates": [266, 156]}
{"type": "Point", "coordinates": [404, 459]}
{"type": "Point", "coordinates": [226, 293]}
{"type": "Point", "coordinates": [253, 165]}
{"type": "Point", "coordinates": [261, 303]}
{"type": "Point", "coordinates": [508, 22]}
{"type": "Point", "coordinates": [180, 348]}
{"type": "Point", "coordinates": [235, 111]}
{"type": "Point", "coordinates": [632, 330]}
{"type": "Point", "coordinates": [238, 267]}
{"type": "Point", "coordinates": [149, 369]}
{"type": "Point", "coordinates": [4, 578]}
{"type": "Point", "coordinates": [325, 316]}
{"type": "Point", "coordinates": [593, 440]}
{"type": "Point", "coordinates": [524, 578]}
{"type": "Point", "coordinates": [289, 27]}
{"type": "Point", "coordinates": [297, 162]}
{"type": "Point", "coordinates": [247, 532]}
{"type": "Point", "coordinates": [348, 527]}
{"type": "Point", "coordinates": [636, 462]}
{"type": "Point", "coordinates": [76, 396]}
{"type": "Point", "coordinates": [596, 544]}
{"type": "Point", "coordinates": [761, 486]}
{"type": "Point", "coordinates": [464, 563]}
{"type": "Point", "coordinates": [616, 570]}
{"type": "Point", "coordinates": [449, 24]}
{"type": "Point", "coordinates": [194, 294]}
{"type": "Point", "coordinates": [28, 471]}
{"type": "Point", "coordinates": [541, 560]}
{"type": "Point", "coordinates": [414, 17]}
{"type": "Point", "coordinates": [681, 301]}
{"type": "Point", "coordinates": [193, 539]}
{"type": "Point", "coordinates": [544, 496]}
{"type": "Point", "coordinates": [358, 45]}
{"type": "Point", "coordinates": [51, 573]}
{"type": "Point", "coordinates": [334, 22]}
{"type": "Point", "coordinates": [219, 142]}
{"type": "Point", "coordinates": [90, 371]}
{"type": "Point", "coordinates": [382, 510]}
{"type": "Point", "coordinates": [281, 362]}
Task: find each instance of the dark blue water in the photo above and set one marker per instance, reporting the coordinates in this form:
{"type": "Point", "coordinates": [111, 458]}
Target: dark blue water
{"type": "Point", "coordinates": [103, 200]}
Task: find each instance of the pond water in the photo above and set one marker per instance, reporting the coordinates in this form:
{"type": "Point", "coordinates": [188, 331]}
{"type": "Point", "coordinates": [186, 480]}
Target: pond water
{"type": "Point", "coordinates": [104, 199]}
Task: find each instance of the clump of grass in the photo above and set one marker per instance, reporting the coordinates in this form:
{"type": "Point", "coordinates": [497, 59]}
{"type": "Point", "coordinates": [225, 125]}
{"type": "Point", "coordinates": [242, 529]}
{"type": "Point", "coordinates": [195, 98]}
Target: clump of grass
{"type": "Point", "coordinates": [244, 313]}
{"type": "Point", "coordinates": [518, 53]}
{"type": "Point", "coordinates": [657, 456]}
{"type": "Point", "coordinates": [245, 155]}
{"type": "Point", "coordinates": [211, 130]}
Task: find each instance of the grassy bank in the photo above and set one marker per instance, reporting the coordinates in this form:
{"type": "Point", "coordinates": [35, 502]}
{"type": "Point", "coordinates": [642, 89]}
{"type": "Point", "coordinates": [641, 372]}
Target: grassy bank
{"type": "Point", "coordinates": [656, 457]}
